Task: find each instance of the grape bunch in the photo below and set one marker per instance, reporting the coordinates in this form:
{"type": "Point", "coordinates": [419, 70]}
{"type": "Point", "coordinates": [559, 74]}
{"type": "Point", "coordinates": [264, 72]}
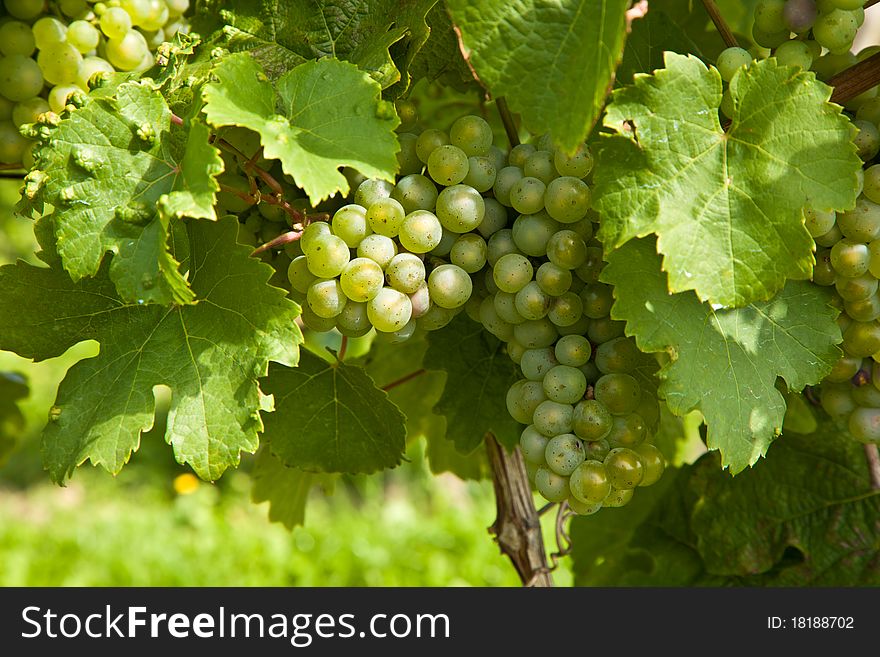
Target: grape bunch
{"type": "Point", "coordinates": [50, 50]}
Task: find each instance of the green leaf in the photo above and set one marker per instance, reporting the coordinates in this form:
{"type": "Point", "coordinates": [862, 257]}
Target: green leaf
{"type": "Point", "coordinates": [333, 117]}
{"type": "Point", "coordinates": [554, 62]}
{"type": "Point", "coordinates": [285, 489]}
{"type": "Point", "coordinates": [727, 207]}
{"type": "Point", "coordinates": [331, 417]}
{"type": "Point", "coordinates": [379, 36]}
{"type": "Point", "coordinates": [650, 36]}
{"type": "Point", "coordinates": [116, 183]}
{"type": "Point", "coordinates": [210, 354]}
{"type": "Point", "coordinates": [13, 387]}
{"type": "Point", "coordinates": [725, 362]}
{"type": "Point", "coordinates": [479, 374]}
{"type": "Point", "coordinates": [440, 58]}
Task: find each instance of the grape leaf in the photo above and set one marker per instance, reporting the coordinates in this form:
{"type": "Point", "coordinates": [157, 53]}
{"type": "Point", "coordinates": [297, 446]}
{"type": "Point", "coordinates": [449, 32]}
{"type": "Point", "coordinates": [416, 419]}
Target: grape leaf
{"type": "Point", "coordinates": [210, 354]}
{"type": "Point", "coordinates": [331, 417]}
{"type": "Point", "coordinates": [479, 374]}
{"type": "Point", "coordinates": [285, 489]}
{"type": "Point", "coordinates": [13, 387]}
{"type": "Point", "coordinates": [726, 206]}
{"type": "Point", "coordinates": [535, 53]}
{"type": "Point", "coordinates": [650, 36]}
{"type": "Point", "coordinates": [440, 58]}
{"type": "Point", "coordinates": [333, 117]}
{"type": "Point", "coordinates": [725, 362]}
{"type": "Point", "coordinates": [116, 182]}
{"type": "Point", "coordinates": [379, 36]}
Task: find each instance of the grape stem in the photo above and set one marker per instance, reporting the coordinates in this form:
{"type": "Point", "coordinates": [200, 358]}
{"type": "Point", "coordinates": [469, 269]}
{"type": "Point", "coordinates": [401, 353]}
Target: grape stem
{"type": "Point", "coordinates": [281, 240]}
{"type": "Point", "coordinates": [403, 379]}
{"type": "Point", "coordinates": [720, 24]}
{"type": "Point", "coordinates": [343, 346]}
{"type": "Point", "coordinates": [176, 120]}
{"type": "Point", "coordinates": [855, 80]}
{"type": "Point", "coordinates": [507, 120]}
{"type": "Point", "coordinates": [873, 457]}
{"type": "Point", "coordinates": [517, 527]}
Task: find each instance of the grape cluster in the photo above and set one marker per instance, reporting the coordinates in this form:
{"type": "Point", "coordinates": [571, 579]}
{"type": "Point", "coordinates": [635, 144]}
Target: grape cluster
{"type": "Point", "coordinates": [49, 51]}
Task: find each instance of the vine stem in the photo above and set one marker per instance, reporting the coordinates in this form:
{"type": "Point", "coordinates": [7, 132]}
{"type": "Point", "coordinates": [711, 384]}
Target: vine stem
{"type": "Point", "coordinates": [720, 24]}
{"type": "Point", "coordinates": [403, 379]}
{"type": "Point", "coordinates": [855, 80]}
{"type": "Point", "coordinates": [873, 457]}
{"type": "Point", "coordinates": [517, 527]}
{"type": "Point", "coordinates": [343, 347]}
{"type": "Point", "coordinates": [507, 120]}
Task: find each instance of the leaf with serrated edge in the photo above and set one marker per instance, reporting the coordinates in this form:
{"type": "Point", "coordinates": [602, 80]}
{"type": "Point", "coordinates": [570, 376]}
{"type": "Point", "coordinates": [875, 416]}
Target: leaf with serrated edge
{"type": "Point", "coordinates": [725, 362]}
{"type": "Point", "coordinates": [727, 206]}
{"type": "Point", "coordinates": [478, 375]}
{"type": "Point", "coordinates": [285, 489]}
{"type": "Point", "coordinates": [554, 62]}
{"type": "Point", "coordinates": [334, 117]}
{"type": "Point", "coordinates": [331, 417]}
{"type": "Point", "coordinates": [210, 354]}
{"type": "Point", "coordinates": [108, 170]}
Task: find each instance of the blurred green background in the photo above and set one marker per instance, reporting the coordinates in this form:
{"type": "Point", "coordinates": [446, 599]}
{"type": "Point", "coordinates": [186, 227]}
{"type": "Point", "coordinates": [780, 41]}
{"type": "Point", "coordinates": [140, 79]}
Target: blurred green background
{"type": "Point", "coordinates": [404, 527]}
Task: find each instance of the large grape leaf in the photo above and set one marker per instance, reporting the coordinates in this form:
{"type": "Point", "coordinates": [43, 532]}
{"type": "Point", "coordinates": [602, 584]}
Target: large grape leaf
{"type": "Point", "coordinates": [117, 180]}
{"type": "Point", "coordinates": [440, 58]}
{"type": "Point", "coordinates": [478, 376]}
{"type": "Point", "coordinates": [210, 354]}
{"type": "Point", "coordinates": [725, 362]}
{"type": "Point", "coordinates": [554, 62]}
{"type": "Point", "coordinates": [805, 517]}
{"type": "Point", "coordinates": [649, 38]}
{"type": "Point", "coordinates": [13, 387]}
{"type": "Point", "coordinates": [333, 116]}
{"type": "Point", "coordinates": [285, 489]}
{"type": "Point", "coordinates": [379, 36]}
{"type": "Point", "coordinates": [331, 417]}
{"type": "Point", "coordinates": [727, 206]}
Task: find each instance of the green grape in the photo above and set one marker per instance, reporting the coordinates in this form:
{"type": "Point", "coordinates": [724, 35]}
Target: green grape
{"type": "Point", "coordinates": [536, 333]}
{"type": "Point", "coordinates": [29, 111]}
{"type": "Point", "coordinates": [553, 279]}
{"type": "Point", "coordinates": [532, 232]}
{"type": "Point", "coordinates": [596, 450]}
{"type": "Point", "coordinates": [20, 78]}
{"type": "Point", "coordinates": [444, 248]}
{"type": "Point", "coordinates": [469, 252]}
{"type": "Point", "coordinates": [492, 322]}
{"type": "Point", "coordinates": [460, 208]}
{"type": "Point", "coordinates": [589, 271]}
{"type": "Point", "coordinates": [406, 273]}
{"type": "Point", "coordinates": [866, 395]}
{"type": "Point", "coordinates": [552, 418]}
{"type": "Point", "coordinates": [597, 298]}
{"type": "Point", "coordinates": [390, 310]}
{"type": "Point", "coordinates": [48, 32]}
{"type": "Point", "coordinates": [353, 322]}
{"type": "Point", "coordinates": [867, 140]}
{"type": "Point", "coordinates": [830, 64]}
{"type": "Point", "coordinates": [794, 53]}
{"type": "Point", "coordinates": [578, 165]}
{"type": "Point", "coordinates": [844, 369]}
{"type": "Point", "coordinates": [326, 298]}
{"type": "Point", "coordinates": [519, 154]}
{"type": "Point", "coordinates": [17, 38]}
{"type": "Point", "coordinates": [505, 180]}
{"type": "Point", "coordinates": [535, 363]}
{"type": "Point", "coordinates": [126, 53]}
{"type": "Point", "coordinates": [532, 302]}
{"type": "Point", "coordinates": [533, 443]}
{"type": "Point", "coordinates": [407, 159]}
{"type": "Point", "coordinates": [450, 286]}
{"type": "Point", "coordinates": [409, 115]}
{"type": "Point", "coordinates": [565, 384]}
{"type": "Point", "coordinates": [73, 8]}
{"type": "Point", "coordinates": [864, 425]}
{"type": "Point", "coordinates": [850, 258]}
{"type": "Point", "coordinates": [567, 199]}
{"type": "Point", "coordinates": [481, 173]}
{"type": "Point", "coordinates": [540, 165]}
{"type": "Point", "coordinates": [617, 355]}
{"type": "Point", "coordinates": [378, 248]}
{"type": "Point", "coordinates": [421, 301]}
{"type": "Point", "coordinates": [373, 190]}
{"type": "Point", "coordinates": [437, 317]}
{"type": "Point", "coordinates": [837, 400]}
{"type": "Point", "coordinates": [624, 467]}
{"type": "Point", "coordinates": [512, 272]}
{"type": "Point", "coordinates": [577, 285]}
{"type": "Point", "coordinates": [591, 372]}
{"type": "Point", "coordinates": [315, 322]}
{"type": "Point", "coordinates": [856, 289]}
{"type": "Point", "coordinates": [489, 282]}
{"type": "Point", "coordinates": [498, 157]}
{"type": "Point", "coordinates": [414, 192]}
{"type": "Point", "coordinates": [139, 10]}
{"type": "Point", "coordinates": [617, 498]}
{"type": "Point", "coordinates": [430, 140]}
{"type": "Point", "coordinates": [872, 183]}
{"type": "Point", "coordinates": [472, 135]}
{"type": "Point", "coordinates": [552, 486]}
{"type": "Point", "coordinates": [731, 60]}
{"type": "Point", "coordinates": [769, 15]}
{"type": "Point", "coordinates": [573, 350]}
{"type": "Point", "coordinates": [12, 144]}
{"type": "Point", "coordinates": [494, 218]}
{"type": "Point", "coordinates": [514, 349]}
{"type": "Point", "coordinates": [401, 335]}
{"type": "Point", "coordinates": [505, 306]}
{"type": "Point", "coordinates": [25, 10]}
{"type": "Point", "coordinates": [769, 39]}
{"type": "Point", "coordinates": [385, 217]}
{"type": "Point", "coordinates": [421, 231]}
{"type": "Point", "coordinates": [823, 272]}
{"type": "Point", "coordinates": [350, 224]}
{"type": "Point", "coordinates": [564, 453]}
{"type": "Point", "coordinates": [653, 463]}
{"type": "Point", "coordinates": [500, 244]}
{"type": "Point", "coordinates": [583, 509]}
{"type": "Point", "coordinates": [567, 249]}
{"type": "Point", "coordinates": [566, 309]}
{"type": "Point", "coordinates": [157, 16]}
{"type": "Point", "coordinates": [361, 279]}
{"type": "Point", "coordinates": [115, 23]}
{"type": "Point", "coordinates": [591, 420]}
{"type": "Point", "coordinates": [862, 339]}
{"type": "Point", "coordinates": [830, 238]}
{"type": "Point", "coordinates": [448, 165]}
{"type": "Point", "coordinates": [83, 36]}
{"type": "Point", "coordinates": [864, 310]}
{"type": "Point", "coordinates": [799, 15]}
{"type": "Point", "coordinates": [589, 482]}
{"type": "Point", "coordinates": [583, 227]}
{"type": "Point", "coordinates": [619, 393]}
{"type": "Point", "coordinates": [298, 274]}
{"type": "Point", "coordinates": [327, 255]}
{"type": "Point", "coordinates": [527, 195]}
{"type": "Point", "coordinates": [627, 430]}
{"type": "Point", "coordinates": [6, 107]}
{"type": "Point", "coordinates": [836, 30]}
{"type": "Point", "coordinates": [523, 399]}
{"type": "Point", "coordinates": [818, 222]}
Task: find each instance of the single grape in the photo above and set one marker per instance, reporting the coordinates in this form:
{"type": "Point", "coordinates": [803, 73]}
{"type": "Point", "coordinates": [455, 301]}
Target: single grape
{"type": "Point", "coordinates": [617, 498]}
{"type": "Point", "coordinates": [567, 199]}
{"type": "Point", "coordinates": [830, 238]}
{"type": "Point", "coordinates": [566, 249]}
{"type": "Point", "coordinates": [17, 38]}
{"type": "Point", "coordinates": [540, 165]}
{"type": "Point", "coordinates": [407, 159]}
{"type": "Point", "coordinates": [505, 306]}
{"type": "Point", "coordinates": [527, 195]}
{"type": "Point", "coordinates": [794, 53]}
{"type": "Point", "coordinates": [532, 443]}
{"type": "Point", "coordinates": [390, 310]}
{"type": "Point", "coordinates": [378, 248]}
{"type": "Point", "coordinates": [371, 191]}
{"type": "Point", "coordinates": [406, 273]}
{"type": "Point", "coordinates": [864, 310]}
{"type": "Point", "coordinates": [592, 266]}
{"type": "Point", "coordinates": [620, 393]}
{"type": "Point", "coordinates": [494, 218]}
{"type": "Point", "coordinates": [864, 425]}
{"type": "Point", "coordinates": [799, 15]}
{"type": "Point", "coordinates": [532, 302]}
{"type": "Point", "coordinates": [421, 301]}
{"type": "Point", "coordinates": [553, 279]}
{"type": "Point", "coordinates": [353, 321]}
{"type": "Point", "coordinates": [589, 482]}
{"type": "Point", "coordinates": [583, 509]}
{"type": "Point", "coordinates": [624, 467]}
{"type": "Point", "coordinates": [29, 111]}
{"type": "Point", "coordinates": [430, 140]}
{"type": "Point", "coordinates": [591, 420]}
{"type": "Point", "coordinates": [837, 400]}
{"type": "Point", "coordinates": [25, 10]}
{"type": "Point", "coordinates": [513, 348]}
{"type": "Point", "coordinates": [519, 154]}
{"type": "Point", "coordinates": [565, 384]}
{"type": "Point", "coordinates": [597, 299]}
{"type": "Point", "coordinates": [844, 369]}
{"type": "Point", "coordinates": [450, 286]}
{"type": "Point", "coordinates": [385, 217]}
{"type": "Point", "coordinates": [415, 192]}
{"type": "Point", "coordinates": [408, 114]}
{"type": "Point", "coordinates": [564, 453]}
{"type": "Point", "coordinates": [866, 395]}
{"type": "Point", "coordinates": [512, 272]}
{"type": "Point", "coordinates": [566, 310]}
{"type": "Point", "coordinates": [472, 135]}
{"type": "Point", "coordinates": [448, 165]}
{"type": "Point", "coordinates": [850, 258]}
{"type": "Point", "coordinates": [836, 30]}
{"type": "Point", "coordinates": [535, 363]}
{"type": "Point", "coordinates": [326, 298]}
{"type": "Point", "coordinates": [437, 317]}
{"type": "Point", "coordinates": [505, 180]}
{"type": "Point", "coordinates": [12, 144]}
{"type": "Point", "coordinates": [523, 399]}
{"type": "Point", "coordinates": [573, 350]}
{"type": "Point", "coordinates": [578, 165]}
{"type": "Point", "coordinates": [532, 233]}
{"type": "Point", "coordinates": [867, 139]}
{"type": "Point", "coordinates": [327, 255]}
{"type": "Point", "coordinates": [481, 173]}
{"type": "Point", "coordinates": [653, 462]}
{"type": "Point", "coordinates": [731, 60]}
{"type": "Point", "coordinates": [596, 450]}
{"type": "Point", "coordinates": [552, 418]}
{"type": "Point", "coordinates": [20, 78]}
{"type": "Point", "coordinates": [493, 323]}
{"type": "Point", "coordinates": [856, 289]}
{"type": "Point", "coordinates": [769, 15]}
{"type": "Point", "coordinates": [552, 486]}
{"type": "Point", "coordinates": [469, 252]}
{"type": "Point", "coordinates": [627, 430]}
{"type": "Point", "coordinates": [537, 333]}
{"type": "Point", "coordinates": [361, 279]}
{"type": "Point", "coordinates": [421, 231]}
{"type": "Point", "coordinates": [127, 53]}
{"type": "Point", "coordinates": [819, 222]}
{"type": "Point", "coordinates": [447, 240]}
{"type": "Point", "coordinates": [499, 245]}
{"type": "Point", "coordinates": [350, 224]}
{"type": "Point", "coordinates": [83, 36]}
{"type": "Point", "coordinates": [460, 208]}
{"type": "Point", "coordinates": [617, 355]}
